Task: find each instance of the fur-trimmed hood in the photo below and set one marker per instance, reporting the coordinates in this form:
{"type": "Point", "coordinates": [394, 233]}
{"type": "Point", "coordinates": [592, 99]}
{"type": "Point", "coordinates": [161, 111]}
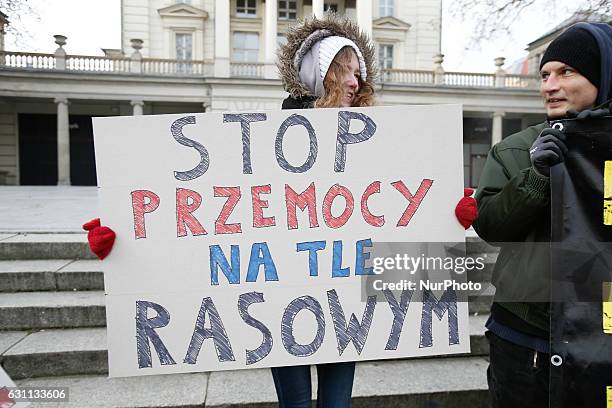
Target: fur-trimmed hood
{"type": "Point", "coordinates": [298, 33]}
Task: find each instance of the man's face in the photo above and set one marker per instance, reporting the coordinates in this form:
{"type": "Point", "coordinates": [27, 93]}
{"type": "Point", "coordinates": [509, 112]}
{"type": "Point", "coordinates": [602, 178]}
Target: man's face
{"type": "Point", "coordinates": [563, 88]}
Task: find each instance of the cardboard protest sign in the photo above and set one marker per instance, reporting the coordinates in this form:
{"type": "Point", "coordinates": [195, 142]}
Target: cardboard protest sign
{"type": "Point", "coordinates": [243, 238]}
{"type": "Point", "coordinates": [581, 259]}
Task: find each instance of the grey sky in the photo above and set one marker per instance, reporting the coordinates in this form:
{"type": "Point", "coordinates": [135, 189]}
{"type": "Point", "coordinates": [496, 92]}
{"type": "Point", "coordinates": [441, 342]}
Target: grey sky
{"type": "Point", "coordinates": [91, 25]}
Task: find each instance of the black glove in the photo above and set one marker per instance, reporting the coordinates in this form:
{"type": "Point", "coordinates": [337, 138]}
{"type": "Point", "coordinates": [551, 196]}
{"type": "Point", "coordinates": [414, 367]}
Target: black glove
{"type": "Point", "coordinates": [588, 113]}
{"type": "Point", "coordinates": [547, 150]}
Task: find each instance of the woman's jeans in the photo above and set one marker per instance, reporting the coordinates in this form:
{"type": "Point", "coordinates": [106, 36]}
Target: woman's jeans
{"type": "Point", "coordinates": [294, 389]}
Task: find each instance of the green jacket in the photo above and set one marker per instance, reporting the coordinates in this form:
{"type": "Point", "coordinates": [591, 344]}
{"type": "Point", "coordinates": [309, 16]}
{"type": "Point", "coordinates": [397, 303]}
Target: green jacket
{"type": "Point", "coordinates": [514, 213]}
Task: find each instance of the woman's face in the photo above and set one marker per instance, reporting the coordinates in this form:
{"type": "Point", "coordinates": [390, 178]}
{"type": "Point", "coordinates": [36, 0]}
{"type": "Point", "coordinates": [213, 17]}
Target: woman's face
{"type": "Point", "coordinates": [350, 81]}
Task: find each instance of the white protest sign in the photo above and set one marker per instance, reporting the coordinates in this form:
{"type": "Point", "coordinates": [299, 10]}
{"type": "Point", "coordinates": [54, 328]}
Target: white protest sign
{"type": "Point", "coordinates": [243, 238]}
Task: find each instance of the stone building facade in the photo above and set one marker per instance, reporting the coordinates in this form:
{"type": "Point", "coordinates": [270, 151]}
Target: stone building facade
{"type": "Point", "coordinates": [217, 55]}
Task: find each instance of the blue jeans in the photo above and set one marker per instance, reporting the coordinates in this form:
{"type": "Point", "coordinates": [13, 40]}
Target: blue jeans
{"type": "Point", "coordinates": [294, 389]}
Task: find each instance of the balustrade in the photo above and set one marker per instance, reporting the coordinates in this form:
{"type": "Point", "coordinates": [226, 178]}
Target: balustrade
{"type": "Point", "coordinates": [407, 76]}
{"type": "Point", "coordinates": [97, 64]}
{"type": "Point", "coordinates": [31, 60]}
{"type": "Point", "coordinates": [247, 69]}
{"type": "Point", "coordinates": [205, 68]}
{"type": "Point", "coordinates": [522, 81]}
{"type": "Point", "coordinates": [469, 79]}
{"type": "Point", "coordinates": [158, 66]}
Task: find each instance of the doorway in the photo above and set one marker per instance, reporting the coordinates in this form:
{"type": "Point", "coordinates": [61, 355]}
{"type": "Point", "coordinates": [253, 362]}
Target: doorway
{"type": "Point", "coordinates": [38, 150]}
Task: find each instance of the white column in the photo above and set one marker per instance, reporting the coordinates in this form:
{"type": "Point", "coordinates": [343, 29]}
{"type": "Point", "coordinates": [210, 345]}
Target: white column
{"type": "Point", "coordinates": [63, 142]}
{"type": "Point", "coordinates": [222, 38]}
{"type": "Point", "coordinates": [364, 16]}
{"type": "Point", "coordinates": [317, 8]}
{"type": "Point", "coordinates": [137, 107]}
{"type": "Point", "coordinates": [270, 42]}
{"type": "Point", "coordinates": [496, 134]}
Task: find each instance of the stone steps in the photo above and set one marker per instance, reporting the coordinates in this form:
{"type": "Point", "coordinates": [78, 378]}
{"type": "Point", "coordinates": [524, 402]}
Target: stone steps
{"type": "Point", "coordinates": [41, 310]}
{"type": "Point", "coordinates": [441, 382]}
{"type": "Point", "coordinates": [51, 275]}
{"type": "Point", "coordinates": [54, 352]}
{"type": "Point", "coordinates": [99, 391]}
{"type": "Point", "coordinates": [44, 246]}
{"type": "Point", "coordinates": [82, 351]}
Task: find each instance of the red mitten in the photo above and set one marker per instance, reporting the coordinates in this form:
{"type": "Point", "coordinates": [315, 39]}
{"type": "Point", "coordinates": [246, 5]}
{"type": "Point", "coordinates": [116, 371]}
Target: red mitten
{"type": "Point", "coordinates": [466, 211]}
{"type": "Point", "coordinates": [101, 239]}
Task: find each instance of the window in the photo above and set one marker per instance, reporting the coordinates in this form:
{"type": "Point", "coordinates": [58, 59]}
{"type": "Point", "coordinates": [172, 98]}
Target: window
{"type": "Point", "coordinates": [385, 56]}
{"type": "Point", "coordinates": [184, 1]}
{"type": "Point", "coordinates": [184, 46]}
{"type": "Point", "coordinates": [246, 8]}
{"type": "Point", "coordinates": [246, 47]}
{"type": "Point", "coordinates": [287, 9]}
{"type": "Point", "coordinates": [385, 8]}
{"type": "Point", "coordinates": [184, 51]}
{"type": "Point", "coordinates": [330, 7]}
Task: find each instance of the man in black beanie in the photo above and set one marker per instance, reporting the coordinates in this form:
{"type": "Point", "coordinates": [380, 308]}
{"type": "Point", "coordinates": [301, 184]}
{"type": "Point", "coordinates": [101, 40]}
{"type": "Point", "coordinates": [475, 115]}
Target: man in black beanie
{"type": "Point", "coordinates": [514, 213]}
{"type": "Point", "coordinates": [570, 72]}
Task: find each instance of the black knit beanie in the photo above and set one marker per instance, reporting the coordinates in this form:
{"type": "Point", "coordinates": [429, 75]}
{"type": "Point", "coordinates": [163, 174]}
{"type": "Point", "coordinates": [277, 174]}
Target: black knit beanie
{"type": "Point", "coordinates": [578, 49]}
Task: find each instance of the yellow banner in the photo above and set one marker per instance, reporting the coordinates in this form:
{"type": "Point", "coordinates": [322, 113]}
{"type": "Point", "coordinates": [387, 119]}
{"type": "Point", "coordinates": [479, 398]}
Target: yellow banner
{"type": "Point", "coordinates": [607, 307]}
{"type": "Point", "coordinates": [607, 213]}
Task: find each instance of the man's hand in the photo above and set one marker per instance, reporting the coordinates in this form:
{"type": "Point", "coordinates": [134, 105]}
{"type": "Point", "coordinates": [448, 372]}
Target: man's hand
{"type": "Point", "coordinates": [588, 114]}
{"type": "Point", "coordinates": [547, 150]}
{"type": "Point", "coordinates": [101, 238]}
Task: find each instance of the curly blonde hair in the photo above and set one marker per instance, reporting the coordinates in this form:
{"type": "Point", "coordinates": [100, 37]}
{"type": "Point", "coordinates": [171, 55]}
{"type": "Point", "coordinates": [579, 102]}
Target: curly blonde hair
{"type": "Point", "coordinates": [333, 83]}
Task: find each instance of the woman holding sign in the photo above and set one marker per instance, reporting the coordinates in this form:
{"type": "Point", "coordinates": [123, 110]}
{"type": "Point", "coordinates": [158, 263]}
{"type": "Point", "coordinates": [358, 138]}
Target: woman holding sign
{"type": "Point", "coordinates": [326, 63]}
{"type": "Point", "coordinates": [329, 63]}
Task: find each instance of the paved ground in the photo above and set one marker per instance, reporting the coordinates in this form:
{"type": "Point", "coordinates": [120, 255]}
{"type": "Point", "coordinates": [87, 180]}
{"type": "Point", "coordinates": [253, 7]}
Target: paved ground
{"type": "Point", "coordinates": [46, 208]}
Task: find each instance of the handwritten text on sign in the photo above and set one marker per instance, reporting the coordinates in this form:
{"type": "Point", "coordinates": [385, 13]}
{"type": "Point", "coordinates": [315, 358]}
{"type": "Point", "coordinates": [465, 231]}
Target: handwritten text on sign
{"type": "Point", "coordinates": [243, 238]}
